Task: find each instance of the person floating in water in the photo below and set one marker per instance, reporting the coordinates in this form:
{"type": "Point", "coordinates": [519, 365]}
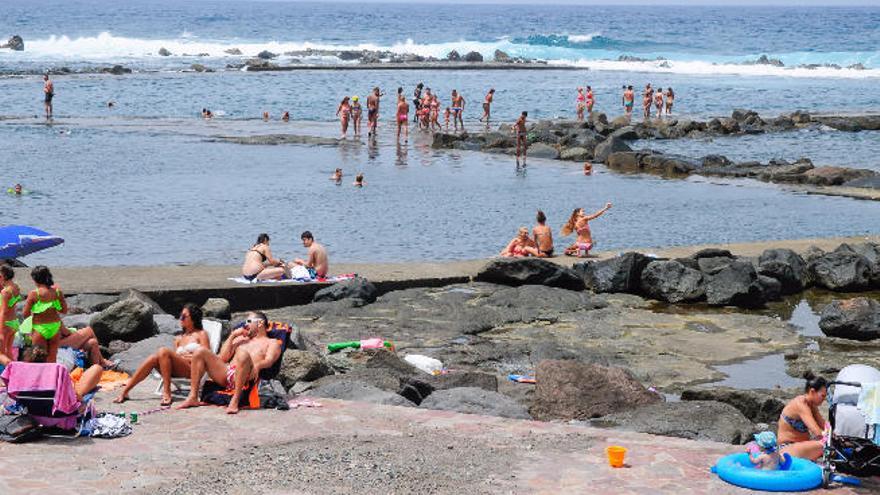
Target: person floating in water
{"type": "Point", "coordinates": [16, 190]}
{"type": "Point", "coordinates": [359, 180]}
{"type": "Point", "coordinates": [48, 94]}
{"type": "Point", "coordinates": [337, 176]}
{"type": "Point", "coordinates": [285, 117]}
{"type": "Point", "coordinates": [588, 168]}
{"type": "Point", "coordinates": [206, 114]}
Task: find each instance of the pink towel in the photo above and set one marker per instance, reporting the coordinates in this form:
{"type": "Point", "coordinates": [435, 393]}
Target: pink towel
{"type": "Point", "coordinates": [32, 377]}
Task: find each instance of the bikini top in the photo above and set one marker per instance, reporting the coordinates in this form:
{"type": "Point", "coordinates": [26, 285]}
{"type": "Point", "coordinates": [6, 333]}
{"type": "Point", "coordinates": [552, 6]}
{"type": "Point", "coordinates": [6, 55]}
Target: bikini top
{"type": "Point", "coordinates": [14, 300]}
{"type": "Point", "coordinates": [797, 424]}
{"type": "Point", "coordinates": [585, 229]}
{"type": "Point", "coordinates": [42, 306]}
{"type": "Point", "coordinates": [262, 256]}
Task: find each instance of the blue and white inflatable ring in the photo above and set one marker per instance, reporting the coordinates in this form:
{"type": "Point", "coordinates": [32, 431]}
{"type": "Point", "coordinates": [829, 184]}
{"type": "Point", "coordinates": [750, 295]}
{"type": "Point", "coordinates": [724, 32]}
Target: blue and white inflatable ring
{"type": "Point", "coordinates": [801, 474]}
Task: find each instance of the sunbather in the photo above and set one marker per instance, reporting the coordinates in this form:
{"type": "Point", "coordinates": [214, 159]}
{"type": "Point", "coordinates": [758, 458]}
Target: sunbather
{"type": "Point", "coordinates": [87, 381]}
{"type": "Point", "coordinates": [246, 352]}
{"type": "Point", "coordinates": [318, 263]}
{"type": "Point", "coordinates": [174, 363]}
{"type": "Point", "coordinates": [521, 246]}
{"type": "Point", "coordinates": [85, 340]}
{"type": "Point", "coordinates": [259, 263]}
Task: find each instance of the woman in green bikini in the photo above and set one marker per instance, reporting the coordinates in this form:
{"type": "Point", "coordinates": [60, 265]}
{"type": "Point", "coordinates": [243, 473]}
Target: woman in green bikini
{"type": "Point", "coordinates": [10, 295]}
{"type": "Point", "coordinates": [44, 306]}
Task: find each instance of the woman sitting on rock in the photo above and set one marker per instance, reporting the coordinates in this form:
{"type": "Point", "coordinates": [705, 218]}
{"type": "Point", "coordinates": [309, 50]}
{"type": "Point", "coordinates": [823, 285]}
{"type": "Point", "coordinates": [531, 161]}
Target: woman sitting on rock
{"type": "Point", "coordinates": [174, 363]}
{"type": "Point", "coordinates": [259, 263]}
{"type": "Point", "coordinates": [521, 246]}
{"type": "Point", "coordinates": [801, 425]}
{"type": "Point", "coordinates": [579, 222]}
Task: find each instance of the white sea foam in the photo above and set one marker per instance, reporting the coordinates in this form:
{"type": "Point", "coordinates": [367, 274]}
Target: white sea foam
{"type": "Point", "coordinates": [105, 47]}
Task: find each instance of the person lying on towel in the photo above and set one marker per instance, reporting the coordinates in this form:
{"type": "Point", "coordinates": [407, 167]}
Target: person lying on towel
{"type": "Point", "coordinates": [247, 351]}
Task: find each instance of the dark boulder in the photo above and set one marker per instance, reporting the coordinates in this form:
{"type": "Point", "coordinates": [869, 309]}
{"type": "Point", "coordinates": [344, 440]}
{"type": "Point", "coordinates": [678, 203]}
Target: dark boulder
{"type": "Point", "coordinates": [453, 56]}
{"type": "Point", "coordinates": [834, 176]}
{"type": "Point", "coordinates": [855, 319]}
{"type": "Point", "coordinates": [711, 266]}
{"type": "Point", "coordinates": [167, 324]}
{"type": "Point", "coordinates": [735, 285]}
{"type": "Point", "coordinates": [138, 352]}
{"type": "Point", "coordinates": [473, 57]}
{"type": "Point", "coordinates": [568, 390]}
{"type": "Point", "coordinates": [116, 70]}
{"type": "Point", "coordinates": [299, 365]}
{"type": "Point", "coordinates": [786, 266]}
{"type": "Point", "coordinates": [625, 161]}
{"type": "Point", "coordinates": [140, 296]}
{"type": "Point", "coordinates": [771, 287]}
{"type": "Point", "coordinates": [163, 52]}
{"type": "Point", "coordinates": [89, 303]}
{"type": "Point", "coordinates": [627, 133]}
{"type": "Point", "coordinates": [871, 252]}
{"type": "Point", "coordinates": [500, 56]}
{"type": "Point", "coordinates": [529, 271]}
{"type": "Point", "coordinates": [673, 282]}
{"type": "Point", "coordinates": [619, 274]}
{"type": "Point", "coordinates": [217, 307]}
{"type": "Point", "coordinates": [361, 290]}
{"type": "Point", "coordinates": [741, 115]}
{"type": "Point", "coordinates": [266, 55]}
{"type": "Point", "coordinates": [542, 150]}
{"type": "Point", "coordinates": [130, 320]}
{"type": "Point", "coordinates": [576, 154]}
{"type": "Point", "coordinates": [759, 406]}
{"type": "Point", "coordinates": [607, 147]}
{"type": "Point", "coordinates": [711, 253]}
{"type": "Point", "coordinates": [354, 390]}
{"type": "Point", "coordinates": [840, 271]}
{"type": "Point", "coordinates": [458, 379]}
{"type": "Point", "coordinates": [446, 140]}
{"type": "Point", "coordinates": [694, 420]}
{"type": "Point", "coordinates": [232, 51]}
{"type": "Point", "coordinates": [473, 400]}
{"type": "Point", "coordinates": [15, 43]}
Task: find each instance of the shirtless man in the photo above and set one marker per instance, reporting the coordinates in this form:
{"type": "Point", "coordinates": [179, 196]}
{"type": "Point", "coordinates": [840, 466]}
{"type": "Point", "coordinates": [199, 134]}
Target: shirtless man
{"type": "Point", "coordinates": [373, 112]}
{"type": "Point", "coordinates": [522, 144]}
{"type": "Point", "coordinates": [457, 109]}
{"type": "Point", "coordinates": [487, 106]}
{"type": "Point", "coordinates": [48, 94]}
{"type": "Point", "coordinates": [318, 263]}
{"type": "Point", "coordinates": [246, 352]}
{"type": "Point", "coordinates": [628, 100]}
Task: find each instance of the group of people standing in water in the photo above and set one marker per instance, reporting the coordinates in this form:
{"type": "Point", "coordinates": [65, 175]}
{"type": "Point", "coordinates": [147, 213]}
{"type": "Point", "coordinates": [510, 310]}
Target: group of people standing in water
{"type": "Point", "coordinates": [425, 108]}
{"type": "Point", "coordinates": [540, 243]}
{"type": "Point", "coordinates": [662, 101]}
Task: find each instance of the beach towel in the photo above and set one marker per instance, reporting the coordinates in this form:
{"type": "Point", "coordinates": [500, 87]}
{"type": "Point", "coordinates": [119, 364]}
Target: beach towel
{"type": "Point", "coordinates": [40, 377]}
{"type": "Point", "coordinates": [109, 379]}
{"type": "Point", "coordinates": [869, 403]}
{"type": "Point", "coordinates": [301, 280]}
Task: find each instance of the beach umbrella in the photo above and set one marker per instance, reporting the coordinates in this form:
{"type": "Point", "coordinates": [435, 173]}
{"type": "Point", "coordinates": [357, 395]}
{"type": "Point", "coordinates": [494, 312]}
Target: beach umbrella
{"type": "Point", "coordinates": [20, 240]}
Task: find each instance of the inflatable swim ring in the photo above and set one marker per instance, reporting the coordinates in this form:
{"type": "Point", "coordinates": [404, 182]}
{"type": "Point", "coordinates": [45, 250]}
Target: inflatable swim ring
{"type": "Point", "coordinates": [737, 469]}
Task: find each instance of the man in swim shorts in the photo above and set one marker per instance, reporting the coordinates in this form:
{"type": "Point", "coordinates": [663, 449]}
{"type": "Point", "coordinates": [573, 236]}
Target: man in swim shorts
{"type": "Point", "coordinates": [457, 109]}
{"type": "Point", "coordinates": [628, 100]}
{"type": "Point", "coordinates": [318, 263]}
{"type": "Point", "coordinates": [373, 111]}
{"type": "Point", "coordinates": [48, 94]}
{"type": "Point", "coordinates": [246, 352]}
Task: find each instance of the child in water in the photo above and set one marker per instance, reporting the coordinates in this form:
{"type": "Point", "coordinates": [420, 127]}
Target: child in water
{"type": "Point", "coordinates": [766, 456]}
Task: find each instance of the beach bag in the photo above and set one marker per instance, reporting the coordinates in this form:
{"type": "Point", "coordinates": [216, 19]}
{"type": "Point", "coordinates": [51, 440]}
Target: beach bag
{"type": "Point", "coordinates": [18, 428]}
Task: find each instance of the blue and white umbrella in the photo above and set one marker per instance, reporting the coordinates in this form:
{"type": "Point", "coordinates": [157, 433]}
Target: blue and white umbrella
{"type": "Point", "coordinates": [20, 240]}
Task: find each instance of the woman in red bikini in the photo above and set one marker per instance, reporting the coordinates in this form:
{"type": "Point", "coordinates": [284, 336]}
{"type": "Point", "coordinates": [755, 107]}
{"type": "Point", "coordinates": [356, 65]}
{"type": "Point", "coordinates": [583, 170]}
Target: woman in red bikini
{"type": "Point", "coordinates": [402, 118]}
{"type": "Point", "coordinates": [344, 114]}
{"type": "Point", "coordinates": [521, 246]}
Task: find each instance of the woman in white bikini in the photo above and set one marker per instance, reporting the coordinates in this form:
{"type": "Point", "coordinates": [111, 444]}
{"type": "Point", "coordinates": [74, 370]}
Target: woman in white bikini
{"type": "Point", "coordinates": [174, 363]}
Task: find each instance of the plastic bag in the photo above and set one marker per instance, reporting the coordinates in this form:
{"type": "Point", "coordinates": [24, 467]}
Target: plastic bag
{"type": "Point", "coordinates": [427, 364]}
{"type": "Point", "coordinates": [67, 357]}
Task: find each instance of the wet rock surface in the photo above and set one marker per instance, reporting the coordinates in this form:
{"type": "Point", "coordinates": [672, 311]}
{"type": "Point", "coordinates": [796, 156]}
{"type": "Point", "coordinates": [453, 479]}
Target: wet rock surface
{"type": "Point", "coordinates": [759, 406]}
{"type": "Point", "coordinates": [534, 271]}
{"type": "Point", "coordinates": [856, 319]}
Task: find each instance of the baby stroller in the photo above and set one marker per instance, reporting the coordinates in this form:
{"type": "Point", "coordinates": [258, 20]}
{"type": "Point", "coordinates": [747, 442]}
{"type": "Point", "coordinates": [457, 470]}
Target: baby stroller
{"type": "Point", "coordinates": [46, 393]}
{"type": "Point", "coordinates": [853, 447]}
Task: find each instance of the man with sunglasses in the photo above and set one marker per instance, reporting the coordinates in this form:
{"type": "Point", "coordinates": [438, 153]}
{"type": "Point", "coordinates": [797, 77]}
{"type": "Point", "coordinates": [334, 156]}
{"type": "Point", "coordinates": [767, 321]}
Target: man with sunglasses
{"type": "Point", "coordinates": [246, 352]}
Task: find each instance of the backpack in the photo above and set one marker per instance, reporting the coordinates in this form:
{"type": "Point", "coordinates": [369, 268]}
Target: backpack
{"type": "Point", "coordinates": [18, 428]}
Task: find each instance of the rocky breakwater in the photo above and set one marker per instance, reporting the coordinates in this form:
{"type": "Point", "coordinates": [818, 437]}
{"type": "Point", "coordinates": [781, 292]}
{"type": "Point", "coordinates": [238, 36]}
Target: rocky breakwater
{"type": "Point", "coordinates": [14, 43]}
{"type": "Point", "coordinates": [372, 58]}
{"type": "Point", "coordinates": [594, 355]}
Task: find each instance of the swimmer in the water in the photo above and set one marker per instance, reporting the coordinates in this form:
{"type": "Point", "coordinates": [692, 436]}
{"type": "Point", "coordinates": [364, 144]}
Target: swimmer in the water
{"type": "Point", "coordinates": [111, 104]}
{"type": "Point", "coordinates": [285, 117]}
{"type": "Point", "coordinates": [588, 168]}
{"type": "Point", "coordinates": [17, 190]}
{"type": "Point", "coordinates": [359, 180]}
{"type": "Point", "coordinates": [337, 176]}
{"type": "Point", "coordinates": [265, 116]}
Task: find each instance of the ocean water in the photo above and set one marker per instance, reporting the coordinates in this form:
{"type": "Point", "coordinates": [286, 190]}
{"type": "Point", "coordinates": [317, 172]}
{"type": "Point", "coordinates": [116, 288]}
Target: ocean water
{"type": "Point", "coordinates": [148, 182]}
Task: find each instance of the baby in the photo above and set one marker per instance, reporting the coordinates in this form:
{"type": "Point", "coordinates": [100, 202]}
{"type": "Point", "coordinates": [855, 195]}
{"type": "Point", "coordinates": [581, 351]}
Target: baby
{"type": "Point", "coordinates": [766, 456]}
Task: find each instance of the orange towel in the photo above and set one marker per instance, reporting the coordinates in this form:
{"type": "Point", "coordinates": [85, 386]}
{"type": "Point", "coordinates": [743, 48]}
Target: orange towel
{"type": "Point", "coordinates": [109, 379]}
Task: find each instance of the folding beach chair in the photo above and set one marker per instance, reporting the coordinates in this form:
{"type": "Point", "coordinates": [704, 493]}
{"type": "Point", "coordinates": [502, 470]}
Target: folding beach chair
{"type": "Point", "coordinates": [214, 329]}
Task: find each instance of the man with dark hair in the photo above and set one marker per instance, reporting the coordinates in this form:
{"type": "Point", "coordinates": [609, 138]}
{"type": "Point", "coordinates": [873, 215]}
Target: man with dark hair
{"type": "Point", "coordinates": [246, 352]}
{"type": "Point", "coordinates": [318, 263]}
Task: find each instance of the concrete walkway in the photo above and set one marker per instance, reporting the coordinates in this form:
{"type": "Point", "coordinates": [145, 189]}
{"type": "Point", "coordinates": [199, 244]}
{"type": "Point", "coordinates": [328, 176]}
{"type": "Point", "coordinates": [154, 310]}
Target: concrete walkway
{"type": "Point", "coordinates": [507, 456]}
